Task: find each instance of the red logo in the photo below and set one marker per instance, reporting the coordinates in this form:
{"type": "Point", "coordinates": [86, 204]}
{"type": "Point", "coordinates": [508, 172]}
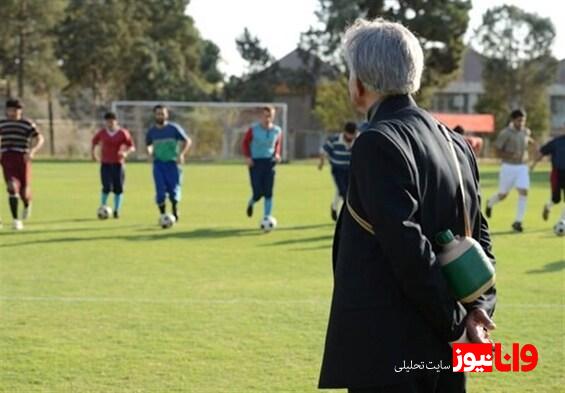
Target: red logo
{"type": "Point", "coordinates": [479, 358]}
{"type": "Point", "coordinates": [476, 358]}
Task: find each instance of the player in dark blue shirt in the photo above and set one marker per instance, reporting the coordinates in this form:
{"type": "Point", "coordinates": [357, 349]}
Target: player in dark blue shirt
{"type": "Point", "coordinates": [556, 149]}
{"type": "Point", "coordinates": [337, 149]}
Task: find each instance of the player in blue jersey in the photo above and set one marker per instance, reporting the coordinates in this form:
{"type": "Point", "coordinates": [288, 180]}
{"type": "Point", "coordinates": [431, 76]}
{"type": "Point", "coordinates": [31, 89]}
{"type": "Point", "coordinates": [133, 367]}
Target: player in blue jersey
{"type": "Point", "coordinates": [261, 147]}
{"type": "Point", "coordinates": [337, 149]}
{"type": "Point", "coordinates": [167, 146]}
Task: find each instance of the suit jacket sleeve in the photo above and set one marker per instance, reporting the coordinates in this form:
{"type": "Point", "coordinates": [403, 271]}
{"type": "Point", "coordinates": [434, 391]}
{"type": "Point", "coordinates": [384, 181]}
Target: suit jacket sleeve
{"type": "Point", "coordinates": [387, 188]}
{"type": "Point", "coordinates": [481, 233]}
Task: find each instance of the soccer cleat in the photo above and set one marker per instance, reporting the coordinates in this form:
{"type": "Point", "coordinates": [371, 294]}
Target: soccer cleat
{"type": "Point", "coordinates": [333, 214]}
{"type": "Point", "coordinates": [545, 213]}
{"type": "Point", "coordinates": [18, 225]}
{"type": "Point", "coordinates": [116, 214]}
{"type": "Point", "coordinates": [26, 213]}
{"type": "Point", "coordinates": [517, 227]}
{"type": "Point", "coordinates": [488, 211]}
{"type": "Point", "coordinates": [249, 210]}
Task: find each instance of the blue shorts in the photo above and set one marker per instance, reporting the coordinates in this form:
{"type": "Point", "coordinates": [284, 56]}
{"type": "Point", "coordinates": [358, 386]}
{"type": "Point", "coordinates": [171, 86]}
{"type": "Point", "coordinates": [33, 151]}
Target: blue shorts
{"type": "Point", "coordinates": [262, 175]}
{"type": "Point", "coordinates": [113, 177]}
{"type": "Point", "coordinates": [168, 179]}
{"type": "Point", "coordinates": [341, 180]}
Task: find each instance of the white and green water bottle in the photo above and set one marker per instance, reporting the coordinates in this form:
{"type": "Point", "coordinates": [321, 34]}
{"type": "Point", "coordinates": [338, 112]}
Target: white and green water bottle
{"type": "Point", "coordinates": [465, 266]}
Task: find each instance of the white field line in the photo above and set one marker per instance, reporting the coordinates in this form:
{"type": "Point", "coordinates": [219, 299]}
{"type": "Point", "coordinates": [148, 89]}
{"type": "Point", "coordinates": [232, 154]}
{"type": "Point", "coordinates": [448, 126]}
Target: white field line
{"type": "Point", "coordinates": [187, 301]}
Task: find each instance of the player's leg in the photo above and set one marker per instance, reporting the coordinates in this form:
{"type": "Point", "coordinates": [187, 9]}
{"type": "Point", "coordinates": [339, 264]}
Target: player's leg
{"type": "Point", "coordinates": [118, 179]}
{"type": "Point", "coordinates": [106, 180]}
{"type": "Point", "coordinates": [268, 186]}
{"type": "Point", "coordinates": [25, 189]}
{"type": "Point", "coordinates": [561, 188]}
{"type": "Point", "coordinates": [174, 184]}
{"type": "Point", "coordinates": [160, 186]}
{"type": "Point", "coordinates": [10, 167]}
{"type": "Point", "coordinates": [255, 180]}
{"type": "Point", "coordinates": [555, 193]}
{"type": "Point", "coordinates": [506, 180]}
{"type": "Point", "coordinates": [523, 185]}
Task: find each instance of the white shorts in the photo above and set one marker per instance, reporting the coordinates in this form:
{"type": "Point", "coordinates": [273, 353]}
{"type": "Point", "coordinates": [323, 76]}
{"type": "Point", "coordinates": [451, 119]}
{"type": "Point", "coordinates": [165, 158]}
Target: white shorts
{"type": "Point", "coordinates": [514, 176]}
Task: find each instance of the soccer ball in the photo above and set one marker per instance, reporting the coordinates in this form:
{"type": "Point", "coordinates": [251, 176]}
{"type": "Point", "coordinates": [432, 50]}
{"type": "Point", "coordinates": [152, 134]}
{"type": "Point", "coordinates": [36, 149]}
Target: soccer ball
{"type": "Point", "coordinates": [559, 228]}
{"type": "Point", "coordinates": [268, 224]}
{"type": "Point", "coordinates": [167, 221]}
{"type": "Point", "coordinates": [104, 212]}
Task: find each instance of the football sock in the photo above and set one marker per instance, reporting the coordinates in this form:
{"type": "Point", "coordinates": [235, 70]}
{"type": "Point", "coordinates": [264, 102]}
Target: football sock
{"type": "Point", "coordinates": [174, 207]}
{"type": "Point", "coordinates": [335, 203]}
{"type": "Point", "coordinates": [161, 208]}
{"type": "Point", "coordinates": [522, 200]}
{"type": "Point", "coordinates": [549, 205]}
{"type": "Point", "coordinates": [14, 206]}
{"type": "Point", "coordinates": [251, 202]}
{"type": "Point", "coordinates": [118, 199]}
{"type": "Point", "coordinates": [104, 198]}
{"type": "Point", "coordinates": [268, 207]}
{"type": "Point", "coordinates": [493, 200]}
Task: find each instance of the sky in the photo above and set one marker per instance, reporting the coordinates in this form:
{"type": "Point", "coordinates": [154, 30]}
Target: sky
{"type": "Point", "coordinates": [279, 28]}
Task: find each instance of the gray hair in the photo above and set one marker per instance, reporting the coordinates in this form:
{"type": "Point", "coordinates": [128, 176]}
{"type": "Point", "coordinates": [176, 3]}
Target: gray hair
{"type": "Point", "coordinates": [385, 56]}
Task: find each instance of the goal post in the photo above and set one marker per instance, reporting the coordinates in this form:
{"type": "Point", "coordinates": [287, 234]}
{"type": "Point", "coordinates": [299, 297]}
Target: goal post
{"type": "Point", "coordinates": [216, 128]}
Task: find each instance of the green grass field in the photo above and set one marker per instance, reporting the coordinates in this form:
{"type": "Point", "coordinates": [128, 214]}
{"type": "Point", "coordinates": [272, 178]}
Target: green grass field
{"type": "Point", "coordinates": [213, 305]}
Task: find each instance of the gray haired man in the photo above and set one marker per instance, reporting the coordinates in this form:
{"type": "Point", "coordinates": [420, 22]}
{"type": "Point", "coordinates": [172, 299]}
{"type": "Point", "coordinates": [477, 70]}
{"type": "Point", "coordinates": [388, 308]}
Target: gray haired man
{"type": "Point", "coordinates": [391, 306]}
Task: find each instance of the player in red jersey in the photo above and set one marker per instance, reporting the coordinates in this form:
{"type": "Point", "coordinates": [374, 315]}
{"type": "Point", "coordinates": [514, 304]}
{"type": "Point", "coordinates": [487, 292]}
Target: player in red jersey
{"type": "Point", "coordinates": [115, 145]}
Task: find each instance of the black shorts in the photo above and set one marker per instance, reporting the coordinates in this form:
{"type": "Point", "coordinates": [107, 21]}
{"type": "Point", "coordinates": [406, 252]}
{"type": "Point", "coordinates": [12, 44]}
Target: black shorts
{"type": "Point", "coordinates": [557, 185]}
{"type": "Point", "coordinates": [113, 178]}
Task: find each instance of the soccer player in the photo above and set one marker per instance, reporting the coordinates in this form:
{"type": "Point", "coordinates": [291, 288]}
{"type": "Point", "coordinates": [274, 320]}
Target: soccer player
{"type": "Point", "coordinates": [556, 149]}
{"type": "Point", "coordinates": [115, 145]}
{"type": "Point", "coordinates": [337, 149]}
{"type": "Point", "coordinates": [19, 141]}
{"type": "Point", "coordinates": [512, 147]}
{"type": "Point", "coordinates": [262, 150]}
{"type": "Point", "coordinates": [167, 146]}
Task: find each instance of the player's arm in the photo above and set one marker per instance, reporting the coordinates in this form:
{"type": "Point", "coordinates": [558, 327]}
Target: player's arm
{"type": "Point", "coordinates": [185, 144]}
{"type": "Point", "coordinates": [246, 147]}
{"type": "Point", "coordinates": [278, 148]}
{"type": "Point", "coordinates": [149, 146]}
{"type": "Point", "coordinates": [38, 141]}
{"type": "Point", "coordinates": [93, 144]}
{"type": "Point", "coordinates": [385, 181]}
{"type": "Point", "coordinates": [127, 147]}
{"type": "Point", "coordinates": [324, 151]}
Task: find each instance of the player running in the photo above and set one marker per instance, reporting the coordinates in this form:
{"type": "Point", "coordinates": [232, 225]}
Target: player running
{"type": "Point", "coordinates": [556, 149]}
{"type": "Point", "coordinates": [167, 146]}
{"type": "Point", "coordinates": [19, 141]}
{"type": "Point", "coordinates": [337, 149]}
{"type": "Point", "coordinates": [262, 150]}
{"type": "Point", "coordinates": [512, 147]}
{"type": "Point", "coordinates": [115, 144]}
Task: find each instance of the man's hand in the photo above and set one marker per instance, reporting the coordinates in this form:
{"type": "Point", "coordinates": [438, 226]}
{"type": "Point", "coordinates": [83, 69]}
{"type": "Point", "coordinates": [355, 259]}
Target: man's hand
{"type": "Point", "coordinates": [249, 161]}
{"type": "Point", "coordinates": [277, 158]}
{"type": "Point", "coordinates": [320, 166]}
{"type": "Point", "coordinates": [123, 154]}
{"type": "Point", "coordinates": [479, 325]}
{"type": "Point", "coordinates": [180, 159]}
{"type": "Point", "coordinates": [94, 158]}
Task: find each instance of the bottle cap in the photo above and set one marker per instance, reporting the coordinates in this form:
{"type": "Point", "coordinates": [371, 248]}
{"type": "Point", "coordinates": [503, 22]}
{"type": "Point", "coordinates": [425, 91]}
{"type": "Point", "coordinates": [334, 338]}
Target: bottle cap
{"type": "Point", "coordinates": [445, 237]}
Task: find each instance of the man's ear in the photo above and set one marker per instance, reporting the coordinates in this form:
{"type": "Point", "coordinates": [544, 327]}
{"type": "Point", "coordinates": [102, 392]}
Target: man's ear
{"type": "Point", "coordinates": [361, 90]}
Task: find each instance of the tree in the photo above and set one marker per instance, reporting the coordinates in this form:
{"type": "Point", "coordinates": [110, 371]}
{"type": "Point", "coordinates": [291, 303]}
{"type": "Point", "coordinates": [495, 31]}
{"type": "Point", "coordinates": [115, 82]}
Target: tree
{"type": "Point", "coordinates": [250, 49]}
{"type": "Point", "coordinates": [518, 65]}
{"type": "Point", "coordinates": [137, 50]}
{"type": "Point", "coordinates": [27, 43]}
{"type": "Point", "coordinates": [438, 24]}
{"type": "Point", "coordinates": [333, 107]}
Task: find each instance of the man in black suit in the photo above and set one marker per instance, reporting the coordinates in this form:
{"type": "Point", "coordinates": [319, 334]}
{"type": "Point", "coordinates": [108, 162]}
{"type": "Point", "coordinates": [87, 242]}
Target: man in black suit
{"type": "Point", "coordinates": [391, 303]}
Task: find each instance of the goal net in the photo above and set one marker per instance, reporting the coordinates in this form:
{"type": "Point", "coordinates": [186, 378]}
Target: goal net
{"type": "Point", "coordinates": [216, 128]}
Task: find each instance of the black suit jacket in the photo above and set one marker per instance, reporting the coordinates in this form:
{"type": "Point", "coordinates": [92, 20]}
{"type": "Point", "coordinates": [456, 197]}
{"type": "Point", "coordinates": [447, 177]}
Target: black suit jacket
{"type": "Point", "coordinates": [390, 301]}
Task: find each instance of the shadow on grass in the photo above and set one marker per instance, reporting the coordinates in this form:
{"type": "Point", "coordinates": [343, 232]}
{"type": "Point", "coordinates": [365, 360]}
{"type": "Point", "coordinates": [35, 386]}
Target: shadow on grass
{"type": "Point", "coordinates": [549, 268]}
{"type": "Point", "coordinates": [299, 240]}
{"type": "Point", "coordinates": [154, 235]}
{"type": "Point", "coordinates": [512, 232]}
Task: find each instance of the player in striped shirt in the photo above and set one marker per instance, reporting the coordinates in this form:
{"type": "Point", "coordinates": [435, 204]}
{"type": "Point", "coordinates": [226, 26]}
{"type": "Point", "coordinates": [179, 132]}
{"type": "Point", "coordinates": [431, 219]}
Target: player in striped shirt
{"type": "Point", "coordinates": [115, 145]}
{"type": "Point", "coordinates": [19, 141]}
{"type": "Point", "coordinates": [337, 149]}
